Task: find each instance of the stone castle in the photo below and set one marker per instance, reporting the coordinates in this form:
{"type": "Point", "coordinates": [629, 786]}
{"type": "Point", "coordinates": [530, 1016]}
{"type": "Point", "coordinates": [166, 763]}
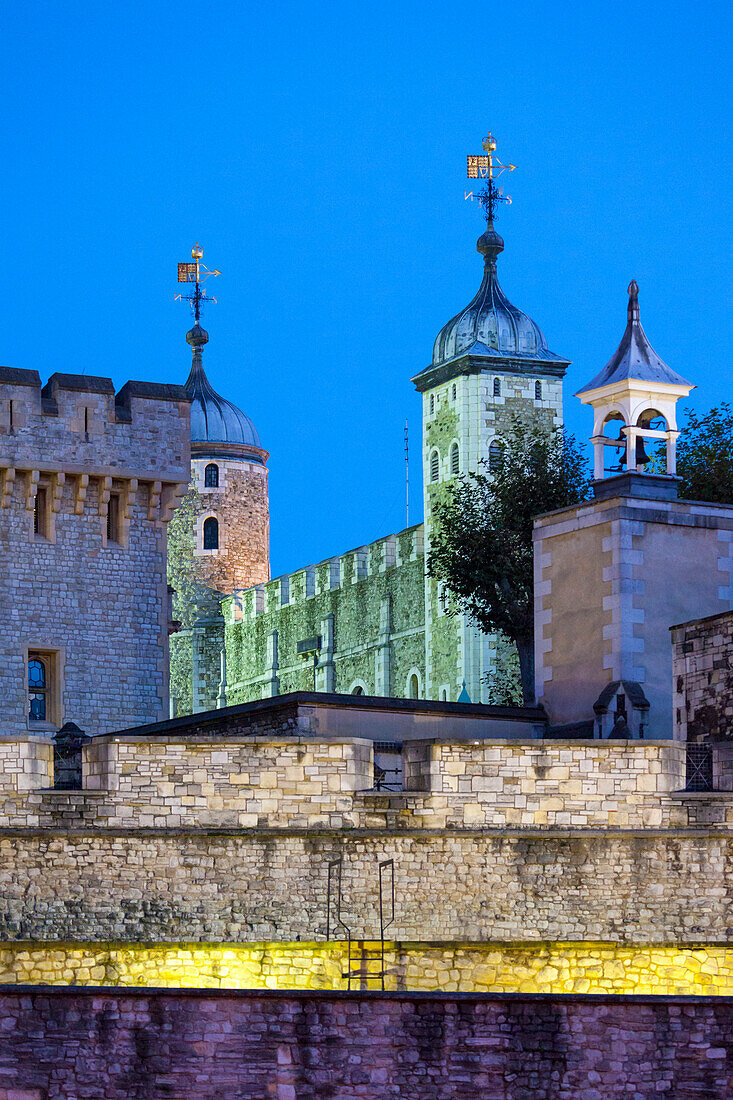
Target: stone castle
{"type": "Point", "coordinates": [295, 888]}
{"type": "Point", "coordinates": [369, 621]}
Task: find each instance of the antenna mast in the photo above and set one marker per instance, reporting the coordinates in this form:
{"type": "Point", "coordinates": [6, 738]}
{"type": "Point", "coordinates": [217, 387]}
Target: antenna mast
{"type": "Point", "coordinates": [407, 480]}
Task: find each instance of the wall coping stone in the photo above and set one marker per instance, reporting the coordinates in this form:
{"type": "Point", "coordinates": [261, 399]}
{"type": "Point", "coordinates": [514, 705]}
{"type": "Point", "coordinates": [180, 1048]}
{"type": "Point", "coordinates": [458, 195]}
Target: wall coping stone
{"type": "Point", "coordinates": [356, 832]}
{"type": "Point", "coordinates": [122, 992]}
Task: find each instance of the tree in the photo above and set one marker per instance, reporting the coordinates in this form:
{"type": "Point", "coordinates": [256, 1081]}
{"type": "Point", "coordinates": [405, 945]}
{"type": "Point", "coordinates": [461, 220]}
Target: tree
{"type": "Point", "coordinates": [481, 543]}
{"type": "Point", "coordinates": [705, 456]}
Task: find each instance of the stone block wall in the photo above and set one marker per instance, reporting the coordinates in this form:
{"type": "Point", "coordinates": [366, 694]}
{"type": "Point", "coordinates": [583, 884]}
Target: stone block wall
{"type": "Point", "coordinates": [606, 598]}
{"type": "Point", "coordinates": [552, 783]}
{"type": "Point", "coordinates": [90, 598]}
{"type": "Point", "coordinates": [65, 882]}
{"type": "Point", "coordinates": [147, 1045]}
{"type": "Point", "coordinates": [26, 763]}
{"type": "Point", "coordinates": [249, 781]}
{"type": "Point", "coordinates": [246, 783]}
{"type": "Point", "coordinates": [703, 679]}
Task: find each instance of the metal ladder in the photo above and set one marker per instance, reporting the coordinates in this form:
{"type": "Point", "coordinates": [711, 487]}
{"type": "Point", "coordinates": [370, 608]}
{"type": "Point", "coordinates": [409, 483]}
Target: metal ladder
{"type": "Point", "coordinates": [362, 955]}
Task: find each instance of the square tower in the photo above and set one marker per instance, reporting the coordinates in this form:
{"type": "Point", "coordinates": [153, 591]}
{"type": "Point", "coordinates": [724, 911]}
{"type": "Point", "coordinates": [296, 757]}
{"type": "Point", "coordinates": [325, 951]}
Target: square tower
{"type": "Point", "coordinates": [490, 362]}
{"type": "Point", "coordinates": [88, 482]}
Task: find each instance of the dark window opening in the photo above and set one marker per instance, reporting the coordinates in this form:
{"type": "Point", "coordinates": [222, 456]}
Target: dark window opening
{"type": "Point", "coordinates": [211, 534]}
{"type": "Point", "coordinates": [496, 456]}
{"type": "Point", "coordinates": [434, 466]}
{"type": "Point", "coordinates": [40, 514]}
{"type": "Point", "coordinates": [414, 687]}
{"type": "Point", "coordinates": [113, 518]}
{"type": "Point", "coordinates": [455, 461]}
{"type": "Point", "coordinates": [37, 688]}
{"type": "Point", "coordinates": [211, 476]}
{"type": "Point", "coordinates": [358, 690]}
{"type": "Point", "coordinates": [497, 387]}
{"type": "Point", "coordinates": [538, 391]}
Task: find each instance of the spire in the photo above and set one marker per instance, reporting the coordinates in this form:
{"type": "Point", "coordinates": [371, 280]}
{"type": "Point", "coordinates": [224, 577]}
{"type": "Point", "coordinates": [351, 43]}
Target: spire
{"type": "Point", "coordinates": [632, 310]}
{"type": "Point", "coordinates": [634, 358]}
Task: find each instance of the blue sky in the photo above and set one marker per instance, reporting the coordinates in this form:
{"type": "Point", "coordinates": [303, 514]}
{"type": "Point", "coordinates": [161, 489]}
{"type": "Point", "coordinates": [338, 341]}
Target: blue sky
{"type": "Point", "coordinates": [317, 151]}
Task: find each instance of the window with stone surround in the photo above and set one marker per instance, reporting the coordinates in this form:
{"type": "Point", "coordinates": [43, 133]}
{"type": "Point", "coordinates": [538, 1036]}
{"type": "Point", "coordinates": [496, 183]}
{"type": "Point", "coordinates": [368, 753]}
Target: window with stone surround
{"type": "Point", "coordinates": [211, 533]}
{"type": "Point", "coordinates": [211, 476]}
{"type": "Point", "coordinates": [497, 387]}
{"type": "Point", "coordinates": [413, 686]}
{"type": "Point", "coordinates": [432, 403]}
{"type": "Point", "coordinates": [43, 676]}
{"type": "Point", "coordinates": [538, 391]}
{"type": "Point", "coordinates": [453, 392]}
{"type": "Point", "coordinates": [434, 466]}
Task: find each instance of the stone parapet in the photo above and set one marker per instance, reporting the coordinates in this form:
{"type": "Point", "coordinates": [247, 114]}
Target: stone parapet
{"type": "Point", "coordinates": [326, 780]}
{"type": "Point", "coordinates": [26, 763]}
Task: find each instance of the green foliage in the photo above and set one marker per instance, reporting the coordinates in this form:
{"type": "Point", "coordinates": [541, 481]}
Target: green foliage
{"type": "Point", "coordinates": [505, 679]}
{"type": "Point", "coordinates": [481, 545]}
{"type": "Point", "coordinates": [705, 455]}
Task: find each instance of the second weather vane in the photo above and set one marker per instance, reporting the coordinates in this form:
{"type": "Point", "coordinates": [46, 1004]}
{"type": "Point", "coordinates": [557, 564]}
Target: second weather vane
{"type": "Point", "coordinates": [195, 272]}
{"type": "Point", "coordinates": [488, 167]}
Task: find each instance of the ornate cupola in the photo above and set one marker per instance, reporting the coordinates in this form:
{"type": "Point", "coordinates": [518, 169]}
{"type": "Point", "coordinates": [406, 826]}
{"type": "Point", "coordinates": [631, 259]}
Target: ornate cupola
{"type": "Point", "coordinates": [634, 399]}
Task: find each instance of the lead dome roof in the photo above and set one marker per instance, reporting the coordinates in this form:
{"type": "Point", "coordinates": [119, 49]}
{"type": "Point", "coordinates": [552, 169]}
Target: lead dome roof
{"type": "Point", "coordinates": [214, 419]}
{"type": "Point", "coordinates": [490, 325]}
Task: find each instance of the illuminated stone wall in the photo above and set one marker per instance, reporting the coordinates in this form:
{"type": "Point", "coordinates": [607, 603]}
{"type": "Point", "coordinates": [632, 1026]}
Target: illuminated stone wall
{"type": "Point", "coordinates": [165, 885]}
{"type": "Point", "coordinates": [114, 1045]}
{"type": "Point", "coordinates": [488, 967]}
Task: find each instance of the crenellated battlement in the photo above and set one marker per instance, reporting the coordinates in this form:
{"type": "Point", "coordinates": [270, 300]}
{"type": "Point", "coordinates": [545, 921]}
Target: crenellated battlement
{"type": "Point", "coordinates": [329, 575]}
{"type": "Point", "coordinates": [77, 423]}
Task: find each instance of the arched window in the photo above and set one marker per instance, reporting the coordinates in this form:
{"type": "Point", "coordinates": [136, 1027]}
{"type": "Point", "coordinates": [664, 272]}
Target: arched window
{"type": "Point", "coordinates": [37, 689]}
{"type": "Point", "coordinates": [211, 476]}
{"type": "Point", "coordinates": [413, 687]}
{"type": "Point", "coordinates": [358, 690]}
{"type": "Point", "coordinates": [538, 391]}
{"type": "Point", "coordinates": [496, 455]}
{"type": "Point", "coordinates": [497, 387]}
{"type": "Point", "coordinates": [211, 533]}
{"type": "Point", "coordinates": [434, 466]}
{"type": "Point", "coordinates": [455, 460]}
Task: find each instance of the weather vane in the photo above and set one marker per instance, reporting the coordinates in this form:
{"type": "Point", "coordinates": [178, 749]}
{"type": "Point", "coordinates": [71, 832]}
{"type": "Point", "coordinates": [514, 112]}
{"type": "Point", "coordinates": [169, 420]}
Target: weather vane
{"type": "Point", "coordinates": [488, 167]}
{"type": "Point", "coordinates": [197, 273]}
